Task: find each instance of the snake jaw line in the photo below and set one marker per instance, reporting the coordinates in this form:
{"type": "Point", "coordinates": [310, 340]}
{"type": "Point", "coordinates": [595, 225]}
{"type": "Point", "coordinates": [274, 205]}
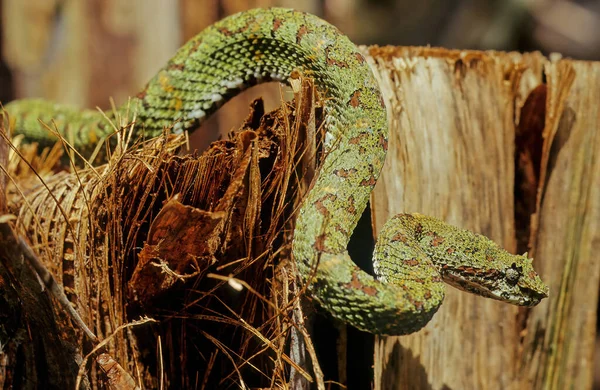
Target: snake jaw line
{"type": "Point", "coordinates": [499, 289]}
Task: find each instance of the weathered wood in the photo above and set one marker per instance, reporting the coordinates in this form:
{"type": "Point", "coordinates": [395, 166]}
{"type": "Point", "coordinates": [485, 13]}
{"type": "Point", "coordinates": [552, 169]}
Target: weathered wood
{"type": "Point", "coordinates": [562, 335]}
{"type": "Point", "coordinates": [452, 152]}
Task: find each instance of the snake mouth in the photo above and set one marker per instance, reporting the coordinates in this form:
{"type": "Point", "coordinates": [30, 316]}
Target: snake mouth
{"type": "Point", "coordinates": [520, 296]}
{"type": "Point", "coordinates": [524, 297]}
{"type": "Point", "coordinates": [527, 298]}
{"type": "Point", "coordinates": [520, 300]}
{"type": "Point", "coordinates": [531, 297]}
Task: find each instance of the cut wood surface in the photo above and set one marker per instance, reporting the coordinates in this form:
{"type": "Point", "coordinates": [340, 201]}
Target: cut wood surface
{"type": "Point", "coordinates": [454, 117]}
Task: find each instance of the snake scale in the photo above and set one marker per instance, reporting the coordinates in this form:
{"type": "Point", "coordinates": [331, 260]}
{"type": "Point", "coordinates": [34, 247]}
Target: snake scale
{"type": "Point", "coordinates": [414, 255]}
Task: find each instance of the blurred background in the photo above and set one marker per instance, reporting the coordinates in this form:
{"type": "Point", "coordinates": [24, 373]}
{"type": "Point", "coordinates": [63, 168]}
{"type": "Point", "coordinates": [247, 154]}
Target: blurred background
{"type": "Point", "coordinates": [84, 51]}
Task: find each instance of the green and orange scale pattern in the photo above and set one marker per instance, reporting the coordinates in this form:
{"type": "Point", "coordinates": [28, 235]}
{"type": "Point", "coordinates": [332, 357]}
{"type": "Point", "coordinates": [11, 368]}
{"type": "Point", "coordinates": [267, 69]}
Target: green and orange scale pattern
{"type": "Point", "coordinates": [268, 44]}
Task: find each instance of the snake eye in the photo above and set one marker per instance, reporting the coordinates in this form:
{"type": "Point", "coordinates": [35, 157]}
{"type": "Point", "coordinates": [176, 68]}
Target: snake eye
{"type": "Point", "coordinates": [512, 275]}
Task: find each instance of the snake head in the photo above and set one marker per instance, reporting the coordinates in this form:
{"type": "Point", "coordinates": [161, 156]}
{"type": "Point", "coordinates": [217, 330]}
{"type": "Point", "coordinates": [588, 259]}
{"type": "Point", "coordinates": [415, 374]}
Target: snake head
{"type": "Point", "coordinates": [519, 283]}
{"type": "Point", "coordinates": [503, 276]}
{"type": "Point", "coordinates": [474, 263]}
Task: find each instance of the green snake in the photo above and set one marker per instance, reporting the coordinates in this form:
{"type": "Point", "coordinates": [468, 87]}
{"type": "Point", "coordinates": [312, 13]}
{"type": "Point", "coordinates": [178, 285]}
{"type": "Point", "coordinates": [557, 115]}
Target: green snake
{"type": "Point", "coordinates": [414, 255]}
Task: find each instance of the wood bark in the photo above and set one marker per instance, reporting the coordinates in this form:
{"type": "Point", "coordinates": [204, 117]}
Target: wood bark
{"type": "Point", "coordinates": [454, 117]}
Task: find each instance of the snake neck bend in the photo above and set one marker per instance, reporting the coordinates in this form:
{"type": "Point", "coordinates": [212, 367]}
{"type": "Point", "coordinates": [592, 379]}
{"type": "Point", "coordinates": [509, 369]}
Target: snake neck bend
{"type": "Point", "coordinates": [262, 45]}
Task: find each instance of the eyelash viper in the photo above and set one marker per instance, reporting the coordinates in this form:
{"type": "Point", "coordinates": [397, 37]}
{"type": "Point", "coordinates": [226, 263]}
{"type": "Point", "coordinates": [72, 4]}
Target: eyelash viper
{"type": "Point", "coordinates": [414, 255]}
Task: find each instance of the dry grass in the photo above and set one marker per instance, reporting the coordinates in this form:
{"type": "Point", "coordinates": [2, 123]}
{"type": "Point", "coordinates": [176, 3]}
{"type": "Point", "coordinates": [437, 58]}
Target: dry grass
{"type": "Point", "coordinates": [201, 244]}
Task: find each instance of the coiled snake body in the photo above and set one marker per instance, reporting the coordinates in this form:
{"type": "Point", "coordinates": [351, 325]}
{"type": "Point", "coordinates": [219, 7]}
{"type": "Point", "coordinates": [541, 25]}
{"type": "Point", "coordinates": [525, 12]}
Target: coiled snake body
{"type": "Point", "coordinates": [414, 253]}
